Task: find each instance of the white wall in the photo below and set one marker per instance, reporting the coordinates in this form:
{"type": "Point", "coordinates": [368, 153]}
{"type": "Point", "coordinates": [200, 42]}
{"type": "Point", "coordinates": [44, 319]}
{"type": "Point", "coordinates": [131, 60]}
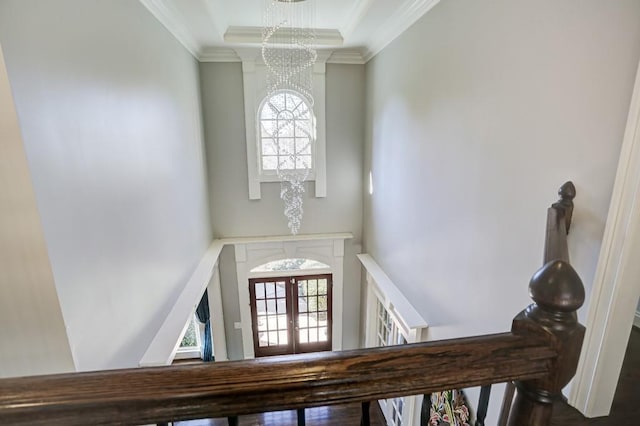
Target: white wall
{"type": "Point", "coordinates": [475, 116]}
{"type": "Point", "coordinates": [108, 103]}
{"type": "Point", "coordinates": [32, 332]}
{"type": "Point", "coordinates": [233, 214]}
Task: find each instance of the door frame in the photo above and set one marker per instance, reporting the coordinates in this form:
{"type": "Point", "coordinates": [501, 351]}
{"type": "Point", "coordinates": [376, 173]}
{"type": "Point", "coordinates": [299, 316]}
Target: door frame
{"type": "Point", "coordinates": [291, 294]}
{"type": "Point", "coordinates": [328, 250]}
{"type": "Point", "coordinates": [615, 291]}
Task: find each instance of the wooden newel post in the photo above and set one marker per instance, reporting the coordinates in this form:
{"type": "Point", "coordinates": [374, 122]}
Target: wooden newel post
{"type": "Point", "coordinates": [557, 292]}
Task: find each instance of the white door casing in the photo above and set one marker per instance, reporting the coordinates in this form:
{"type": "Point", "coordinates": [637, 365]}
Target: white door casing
{"type": "Point", "coordinates": [615, 289]}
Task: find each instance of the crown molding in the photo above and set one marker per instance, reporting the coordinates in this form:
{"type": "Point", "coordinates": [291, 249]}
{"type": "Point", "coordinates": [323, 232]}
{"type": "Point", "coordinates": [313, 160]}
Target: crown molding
{"type": "Point", "coordinates": [407, 14]}
{"type": "Point", "coordinates": [253, 55]}
{"type": "Point", "coordinates": [243, 54]}
{"type": "Point", "coordinates": [218, 54]}
{"type": "Point", "coordinates": [354, 18]}
{"type": "Point", "coordinates": [253, 35]}
{"type": "Point", "coordinates": [347, 56]}
{"type": "Point", "coordinates": [399, 22]}
{"type": "Point", "coordinates": [168, 17]}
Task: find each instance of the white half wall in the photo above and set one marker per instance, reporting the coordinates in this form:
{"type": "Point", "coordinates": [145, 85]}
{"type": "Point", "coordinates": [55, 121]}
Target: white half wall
{"type": "Point", "coordinates": [33, 335]}
{"type": "Point", "coordinates": [475, 116]}
{"type": "Point", "coordinates": [109, 107]}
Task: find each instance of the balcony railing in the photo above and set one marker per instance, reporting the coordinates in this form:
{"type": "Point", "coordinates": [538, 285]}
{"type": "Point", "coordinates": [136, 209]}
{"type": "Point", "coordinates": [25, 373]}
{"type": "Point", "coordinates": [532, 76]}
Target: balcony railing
{"type": "Point", "coordinates": [539, 354]}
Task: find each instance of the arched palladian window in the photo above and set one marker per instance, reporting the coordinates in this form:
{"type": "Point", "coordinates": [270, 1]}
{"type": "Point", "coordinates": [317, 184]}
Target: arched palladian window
{"type": "Point", "coordinates": [286, 133]}
{"type": "Point", "coordinates": [290, 265]}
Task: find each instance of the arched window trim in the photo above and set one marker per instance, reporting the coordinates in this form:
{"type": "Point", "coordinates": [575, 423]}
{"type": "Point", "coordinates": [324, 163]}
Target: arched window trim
{"type": "Point", "coordinates": [255, 88]}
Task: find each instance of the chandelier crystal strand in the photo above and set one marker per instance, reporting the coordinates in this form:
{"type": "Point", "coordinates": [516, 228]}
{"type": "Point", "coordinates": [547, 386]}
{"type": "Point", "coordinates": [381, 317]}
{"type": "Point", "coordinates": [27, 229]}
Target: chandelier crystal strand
{"type": "Point", "coordinates": [287, 50]}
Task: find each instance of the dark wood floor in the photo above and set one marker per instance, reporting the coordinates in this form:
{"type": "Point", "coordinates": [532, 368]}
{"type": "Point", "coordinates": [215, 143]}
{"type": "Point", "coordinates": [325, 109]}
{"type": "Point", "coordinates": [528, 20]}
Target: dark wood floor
{"type": "Point", "coordinates": [626, 404]}
{"type": "Point", "coordinates": [322, 416]}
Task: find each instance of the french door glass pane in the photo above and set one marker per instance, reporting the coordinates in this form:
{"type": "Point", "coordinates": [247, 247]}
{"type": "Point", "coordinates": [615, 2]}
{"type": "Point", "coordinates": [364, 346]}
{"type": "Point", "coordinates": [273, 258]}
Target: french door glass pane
{"type": "Point", "coordinates": [271, 312]}
{"type": "Point", "coordinates": [313, 310]}
{"type": "Point", "coordinates": [323, 334]}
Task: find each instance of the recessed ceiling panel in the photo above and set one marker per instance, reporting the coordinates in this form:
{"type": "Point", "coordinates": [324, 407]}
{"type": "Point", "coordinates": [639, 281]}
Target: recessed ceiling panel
{"type": "Point", "coordinates": [330, 14]}
{"type": "Point", "coordinates": [364, 25]}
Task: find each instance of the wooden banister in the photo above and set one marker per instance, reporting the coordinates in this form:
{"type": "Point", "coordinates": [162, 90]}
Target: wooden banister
{"type": "Point", "coordinates": [149, 395]}
{"type": "Point", "coordinates": [540, 354]}
{"type": "Point", "coordinates": [559, 217]}
{"type": "Point", "coordinates": [558, 293]}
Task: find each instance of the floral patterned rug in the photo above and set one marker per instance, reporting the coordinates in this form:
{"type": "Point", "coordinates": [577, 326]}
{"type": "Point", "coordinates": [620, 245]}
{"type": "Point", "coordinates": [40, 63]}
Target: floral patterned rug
{"type": "Point", "coordinates": [449, 408]}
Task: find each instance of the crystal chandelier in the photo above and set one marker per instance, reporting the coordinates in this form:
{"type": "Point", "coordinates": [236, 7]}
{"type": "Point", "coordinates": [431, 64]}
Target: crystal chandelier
{"type": "Point", "coordinates": [287, 50]}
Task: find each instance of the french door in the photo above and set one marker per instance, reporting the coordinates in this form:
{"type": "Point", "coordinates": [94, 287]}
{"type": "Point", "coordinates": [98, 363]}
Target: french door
{"type": "Point", "coordinates": [291, 315]}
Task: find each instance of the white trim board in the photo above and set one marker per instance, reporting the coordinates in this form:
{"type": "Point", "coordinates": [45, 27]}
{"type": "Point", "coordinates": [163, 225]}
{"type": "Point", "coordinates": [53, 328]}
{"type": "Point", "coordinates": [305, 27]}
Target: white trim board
{"type": "Point", "coordinates": [615, 291]}
{"type": "Point", "coordinates": [636, 319]}
{"type": "Point", "coordinates": [397, 302]}
{"type": "Point", "coordinates": [218, 54]}
{"type": "Point", "coordinates": [253, 35]}
{"type": "Point", "coordinates": [164, 345]}
{"type": "Point", "coordinates": [346, 56]}
{"type": "Point", "coordinates": [278, 238]}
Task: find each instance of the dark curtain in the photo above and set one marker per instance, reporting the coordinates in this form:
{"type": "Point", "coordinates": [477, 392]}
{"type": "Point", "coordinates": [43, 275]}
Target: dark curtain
{"type": "Point", "coordinates": [202, 313]}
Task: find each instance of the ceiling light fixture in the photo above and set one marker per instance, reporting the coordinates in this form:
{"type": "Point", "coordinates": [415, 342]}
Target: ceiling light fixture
{"type": "Point", "coordinates": [288, 39]}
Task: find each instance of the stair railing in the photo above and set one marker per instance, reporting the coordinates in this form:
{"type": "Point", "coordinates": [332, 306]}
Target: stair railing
{"type": "Point", "coordinates": [539, 354]}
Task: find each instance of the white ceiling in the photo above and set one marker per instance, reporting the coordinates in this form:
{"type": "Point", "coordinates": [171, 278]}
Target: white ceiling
{"type": "Point", "coordinates": [361, 28]}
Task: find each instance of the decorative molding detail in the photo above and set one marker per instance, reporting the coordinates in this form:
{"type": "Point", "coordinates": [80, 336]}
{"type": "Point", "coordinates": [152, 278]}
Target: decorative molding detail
{"type": "Point", "coordinates": [347, 56]}
{"type": "Point", "coordinates": [240, 54]}
{"type": "Point", "coordinates": [171, 20]}
{"type": "Point", "coordinates": [408, 13]}
{"type": "Point", "coordinates": [253, 35]}
{"type": "Point", "coordinates": [250, 86]}
{"type": "Point", "coordinates": [615, 291]}
{"type": "Point", "coordinates": [254, 79]}
{"type": "Point", "coordinates": [355, 17]}
{"type": "Point", "coordinates": [251, 254]}
{"type": "Point", "coordinates": [218, 54]}
{"type": "Point", "coordinates": [298, 237]}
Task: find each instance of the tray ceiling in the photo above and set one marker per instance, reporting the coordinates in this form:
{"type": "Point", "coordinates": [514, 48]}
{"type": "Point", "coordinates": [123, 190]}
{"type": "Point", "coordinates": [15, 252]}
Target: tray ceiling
{"type": "Point", "coordinates": [354, 29]}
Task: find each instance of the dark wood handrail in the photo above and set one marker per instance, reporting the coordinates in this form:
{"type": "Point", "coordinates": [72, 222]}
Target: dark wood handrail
{"type": "Point", "coordinates": [559, 217]}
{"type": "Point", "coordinates": [150, 395]}
{"type": "Point", "coordinates": [558, 293]}
{"type": "Point", "coordinates": [540, 354]}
